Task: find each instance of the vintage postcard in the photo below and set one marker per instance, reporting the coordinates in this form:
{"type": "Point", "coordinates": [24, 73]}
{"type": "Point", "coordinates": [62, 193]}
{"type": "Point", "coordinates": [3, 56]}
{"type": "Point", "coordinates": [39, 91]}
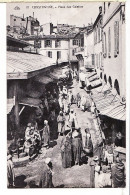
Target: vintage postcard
{"type": "Point", "coordinates": [66, 95]}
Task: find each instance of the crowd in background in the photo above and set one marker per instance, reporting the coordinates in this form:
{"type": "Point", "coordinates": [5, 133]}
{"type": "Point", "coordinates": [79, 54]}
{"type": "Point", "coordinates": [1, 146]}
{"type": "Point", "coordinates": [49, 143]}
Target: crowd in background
{"type": "Point", "coordinates": [60, 119]}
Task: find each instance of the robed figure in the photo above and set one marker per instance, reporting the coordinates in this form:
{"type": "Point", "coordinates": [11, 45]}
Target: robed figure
{"type": "Point", "coordinates": [46, 134]}
{"type": "Point", "coordinates": [61, 123]}
{"type": "Point", "coordinates": [76, 147]}
{"type": "Point", "coordinates": [66, 150]}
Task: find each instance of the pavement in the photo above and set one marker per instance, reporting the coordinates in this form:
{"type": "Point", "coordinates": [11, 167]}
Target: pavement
{"type": "Point", "coordinates": [74, 177]}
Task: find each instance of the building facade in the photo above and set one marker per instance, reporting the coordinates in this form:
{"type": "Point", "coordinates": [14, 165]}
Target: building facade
{"type": "Point", "coordinates": [55, 48]}
{"type": "Point", "coordinates": [97, 33]}
{"type": "Point", "coordinates": [114, 45]}
{"type": "Point", "coordinates": [89, 60]}
{"type": "Point", "coordinates": [21, 25]}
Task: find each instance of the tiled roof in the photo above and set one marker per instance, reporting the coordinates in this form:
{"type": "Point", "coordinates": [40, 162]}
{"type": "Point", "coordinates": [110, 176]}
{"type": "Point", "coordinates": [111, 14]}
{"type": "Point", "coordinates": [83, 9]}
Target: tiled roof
{"type": "Point", "coordinates": [26, 62]}
{"type": "Point", "coordinates": [56, 36]}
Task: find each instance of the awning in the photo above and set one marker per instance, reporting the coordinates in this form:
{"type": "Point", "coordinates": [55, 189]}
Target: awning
{"type": "Point", "coordinates": [32, 102]}
{"type": "Point", "coordinates": [20, 64]}
{"type": "Point", "coordinates": [43, 79]}
{"type": "Point", "coordinates": [93, 78]}
{"type": "Point", "coordinates": [96, 83]}
{"type": "Point", "coordinates": [56, 73]}
{"type": "Point", "coordinates": [91, 74]}
{"type": "Point", "coordinates": [117, 111]}
{"type": "Point", "coordinates": [109, 104]}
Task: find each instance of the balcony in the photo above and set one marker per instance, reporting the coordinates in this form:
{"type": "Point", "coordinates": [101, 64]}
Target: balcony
{"type": "Point", "coordinates": [79, 51]}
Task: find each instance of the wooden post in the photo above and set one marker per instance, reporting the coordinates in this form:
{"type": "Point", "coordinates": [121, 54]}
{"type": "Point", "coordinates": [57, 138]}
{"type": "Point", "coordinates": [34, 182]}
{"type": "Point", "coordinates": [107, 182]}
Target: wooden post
{"type": "Point", "coordinates": [16, 109]}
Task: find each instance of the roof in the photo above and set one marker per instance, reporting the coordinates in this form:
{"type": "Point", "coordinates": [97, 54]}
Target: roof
{"type": "Point", "coordinates": [56, 36]}
{"type": "Point", "coordinates": [20, 64]}
{"type": "Point", "coordinates": [11, 41]}
{"type": "Point", "coordinates": [97, 19]}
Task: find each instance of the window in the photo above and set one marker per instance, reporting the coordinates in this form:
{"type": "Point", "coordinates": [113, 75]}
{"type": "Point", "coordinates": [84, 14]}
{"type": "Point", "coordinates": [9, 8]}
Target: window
{"type": "Point", "coordinates": [48, 43]}
{"type": "Point", "coordinates": [97, 60]}
{"type": "Point", "coordinates": [104, 46]}
{"type": "Point", "coordinates": [116, 38]}
{"type": "Point", "coordinates": [93, 59]}
{"type": "Point", "coordinates": [75, 42]}
{"type": "Point", "coordinates": [57, 43]}
{"type": "Point", "coordinates": [79, 42]}
{"type": "Point", "coordinates": [104, 7]}
{"type": "Point", "coordinates": [109, 42]}
{"type": "Point", "coordinates": [73, 52]}
{"type": "Point", "coordinates": [50, 54]}
{"type": "Point", "coordinates": [58, 54]}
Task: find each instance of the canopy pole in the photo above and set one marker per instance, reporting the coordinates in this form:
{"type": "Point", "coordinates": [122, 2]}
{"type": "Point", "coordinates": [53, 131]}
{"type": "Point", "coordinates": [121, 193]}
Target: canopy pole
{"type": "Point", "coordinates": [21, 110]}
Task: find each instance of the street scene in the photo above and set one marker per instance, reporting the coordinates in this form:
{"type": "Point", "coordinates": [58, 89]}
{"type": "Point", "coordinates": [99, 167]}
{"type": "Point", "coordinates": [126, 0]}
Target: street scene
{"type": "Point", "coordinates": [66, 95]}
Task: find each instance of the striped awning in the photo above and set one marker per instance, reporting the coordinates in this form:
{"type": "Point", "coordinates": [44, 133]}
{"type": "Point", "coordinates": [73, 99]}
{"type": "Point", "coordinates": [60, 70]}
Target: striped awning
{"type": "Point", "coordinates": [32, 102]}
{"type": "Point", "coordinates": [90, 74]}
{"type": "Point", "coordinates": [109, 105]}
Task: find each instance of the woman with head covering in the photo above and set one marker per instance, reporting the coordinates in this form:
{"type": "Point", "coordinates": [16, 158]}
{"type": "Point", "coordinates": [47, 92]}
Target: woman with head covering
{"type": "Point", "coordinates": [97, 170]}
{"type": "Point", "coordinates": [76, 147]}
{"type": "Point", "coordinates": [61, 122]}
{"type": "Point", "coordinates": [70, 97]}
{"type": "Point", "coordinates": [66, 150]}
{"type": "Point", "coordinates": [10, 172]}
{"type": "Point", "coordinates": [83, 103]}
{"type": "Point", "coordinates": [46, 134]}
{"type": "Point", "coordinates": [46, 175]}
{"type": "Point", "coordinates": [60, 100]}
{"type": "Point", "coordinates": [78, 99]}
{"type": "Point", "coordinates": [118, 174]}
{"type": "Point", "coordinates": [72, 118]}
{"type": "Point", "coordinates": [66, 105]}
{"type": "Point", "coordinates": [88, 143]}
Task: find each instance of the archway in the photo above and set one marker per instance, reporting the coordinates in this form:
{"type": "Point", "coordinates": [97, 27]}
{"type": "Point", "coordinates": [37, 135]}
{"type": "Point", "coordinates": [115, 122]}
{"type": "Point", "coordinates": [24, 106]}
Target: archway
{"type": "Point", "coordinates": [116, 86]}
{"type": "Point", "coordinates": [110, 81]}
{"type": "Point", "coordinates": [101, 75]}
{"type": "Point", "coordinates": [105, 78]}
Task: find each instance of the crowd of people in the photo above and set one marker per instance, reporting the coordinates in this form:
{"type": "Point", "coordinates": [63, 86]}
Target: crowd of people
{"type": "Point", "coordinates": [106, 170]}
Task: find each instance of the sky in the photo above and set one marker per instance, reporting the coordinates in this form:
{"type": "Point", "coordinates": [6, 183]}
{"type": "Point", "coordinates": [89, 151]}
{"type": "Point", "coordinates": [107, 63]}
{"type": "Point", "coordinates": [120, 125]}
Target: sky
{"type": "Point", "coordinates": [56, 12]}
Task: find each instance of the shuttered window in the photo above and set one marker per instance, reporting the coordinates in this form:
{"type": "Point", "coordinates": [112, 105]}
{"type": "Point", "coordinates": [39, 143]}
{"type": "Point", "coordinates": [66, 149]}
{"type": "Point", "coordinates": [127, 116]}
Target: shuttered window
{"type": "Point", "coordinates": [93, 59]}
{"type": "Point", "coordinates": [116, 38]}
{"type": "Point", "coordinates": [57, 43]}
{"type": "Point", "coordinates": [48, 43]}
{"type": "Point", "coordinates": [50, 54]}
{"type": "Point", "coordinates": [104, 46]}
{"type": "Point", "coordinates": [109, 42]}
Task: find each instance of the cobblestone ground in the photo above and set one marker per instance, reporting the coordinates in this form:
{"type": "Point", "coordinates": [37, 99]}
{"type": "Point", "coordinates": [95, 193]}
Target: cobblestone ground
{"type": "Point", "coordinates": [76, 176]}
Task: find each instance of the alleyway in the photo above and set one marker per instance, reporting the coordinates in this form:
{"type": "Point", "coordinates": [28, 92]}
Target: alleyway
{"type": "Point", "coordinates": [76, 176]}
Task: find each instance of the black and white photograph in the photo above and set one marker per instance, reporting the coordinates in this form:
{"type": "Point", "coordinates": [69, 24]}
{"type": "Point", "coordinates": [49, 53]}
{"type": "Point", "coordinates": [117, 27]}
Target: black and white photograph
{"type": "Point", "coordinates": [66, 95]}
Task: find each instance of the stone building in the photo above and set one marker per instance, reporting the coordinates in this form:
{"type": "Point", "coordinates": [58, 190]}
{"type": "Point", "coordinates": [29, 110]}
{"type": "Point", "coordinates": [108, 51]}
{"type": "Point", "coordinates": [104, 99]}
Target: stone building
{"type": "Point", "coordinates": [114, 45]}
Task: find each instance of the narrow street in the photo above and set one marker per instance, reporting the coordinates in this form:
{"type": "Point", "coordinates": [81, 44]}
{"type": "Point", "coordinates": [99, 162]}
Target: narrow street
{"type": "Point", "coordinates": [76, 176]}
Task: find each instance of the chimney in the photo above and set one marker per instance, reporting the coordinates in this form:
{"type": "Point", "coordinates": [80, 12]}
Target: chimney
{"type": "Point", "coordinates": [23, 16]}
{"type": "Point", "coordinates": [100, 9]}
{"type": "Point", "coordinates": [33, 14]}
